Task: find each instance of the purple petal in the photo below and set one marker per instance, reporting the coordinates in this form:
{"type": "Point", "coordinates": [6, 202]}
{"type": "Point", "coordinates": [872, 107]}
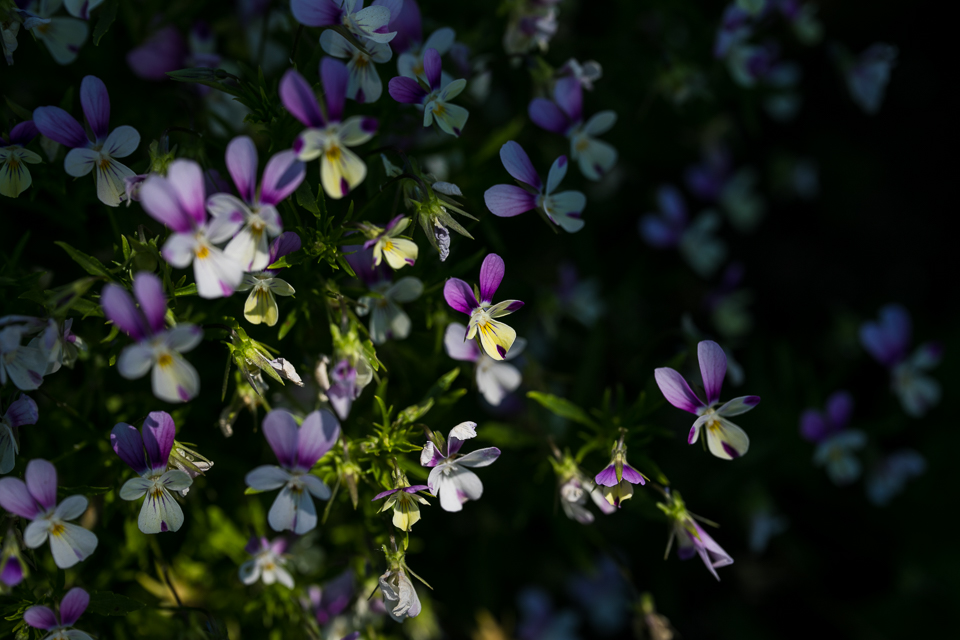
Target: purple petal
{"type": "Point", "coordinates": [568, 94]}
{"type": "Point", "coordinates": [491, 273]}
{"type": "Point", "coordinates": [547, 115]}
{"type": "Point", "coordinates": [281, 177]}
{"type": "Point", "coordinates": [281, 432]}
{"type": "Point", "coordinates": [416, 487]}
{"type": "Point", "coordinates": [159, 199]}
{"type": "Point", "coordinates": [15, 498]}
{"type": "Point", "coordinates": [671, 204]}
{"type": "Point", "coordinates": [658, 233]}
{"type": "Point", "coordinates": [41, 478]}
{"type": "Point", "coordinates": [713, 367]}
{"type": "Point", "coordinates": [839, 408]}
{"type": "Point", "coordinates": [384, 494]}
{"type": "Point", "coordinates": [407, 24]}
{"type": "Point", "coordinates": [335, 77]}
{"type": "Point", "coordinates": [508, 200]}
{"type": "Point", "coordinates": [12, 572]}
{"type": "Point", "coordinates": [73, 605]}
{"type": "Point", "coordinates": [285, 244]}
{"type": "Point", "coordinates": [40, 617]}
{"type": "Point", "coordinates": [128, 444]}
{"type": "Point", "coordinates": [607, 477]}
{"type": "Point", "coordinates": [96, 106]}
{"type": "Point", "coordinates": [406, 90]}
{"type": "Point", "coordinates": [459, 295]}
{"type": "Point", "coordinates": [242, 164]}
{"type": "Point", "coordinates": [889, 339]}
{"type": "Point", "coordinates": [632, 476]}
{"type": "Point", "coordinates": [163, 51]}
{"type": "Point", "coordinates": [119, 308]}
{"type": "Point", "coordinates": [298, 97]}
{"type": "Point", "coordinates": [517, 163]}
{"type": "Point", "coordinates": [158, 434]}
{"type": "Point", "coordinates": [186, 178]}
{"type": "Point", "coordinates": [22, 411]}
{"type": "Point", "coordinates": [432, 67]}
{"type": "Point", "coordinates": [316, 13]}
{"type": "Point", "coordinates": [318, 433]}
{"type": "Point", "coordinates": [676, 390]}
{"type": "Point", "coordinates": [60, 126]}
{"type": "Point", "coordinates": [149, 292]}
{"type": "Point", "coordinates": [23, 133]}
{"type": "Point", "coordinates": [812, 426]}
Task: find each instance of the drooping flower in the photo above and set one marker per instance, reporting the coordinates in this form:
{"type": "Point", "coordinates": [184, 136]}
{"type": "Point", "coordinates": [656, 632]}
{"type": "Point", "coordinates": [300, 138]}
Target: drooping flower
{"type": "Point", "coordinates": [258, 207]}
{"type": "Point", "coordinates": [14, 176]}
{"type": "Point", "coordinates": [97, 155]}
{"type": "Point", "coordinates": [178, 201]}
{"type": "Point", "coordinates": [22, 364]}
{"type": "Point", "coordinates": [506, 200]}
{"type": "Point", "coordinates": [327, 137]}
{"type": "Point", "coordinates": [352, 372]}
{"type": "Point", "coordinates": [364, 85]}
{"type": "Point", "coordinates": [575, 486]}
{"type": "Point", "coordinates": [261, 305]}
{"type": "Point", "coordinates": [890, 475]}
{"type": "Point", "coordinates": [495, 379]}
{"type": "Point", "coordinates": [619, 477]}
{"type": "Point", "coordinates": [450, 478]}
{"type": "Point", "coordinates": [399, 597]}
{"type": "Point", "coordinates": [404, 501]}
{"type": "Point", "coordinates": [268, 562]}
{"type": "Point", "coordinates": [724, 439]}
{"type": "Point", "coordinates": [21, 411]}
{"type": "Point", "coordinates": [495, 337]}
{"type": "Point", "coordinates": [36, 500]}
{"type": "Point", "coordinates": [160, 511]}
{"type": "Point", "coordinates": [370, 22]}
{"type": "Point", "coordinates": [387, 243]}
{"type": "Point", "coordinates": [157, 348]}
{"type": "Point", "coordinates": [62, 36]}
{"type": "Point", "coordinates": [868, 76]}
{"type": "Point", "coordinates": [450, 118]}
{"type": "Point", "coordinates": [690, 536]}
{"type": "Point", "coordinates": [297, 450]}
{"type": "Point", "coordinates": [564, 115]}
{"type": "Point", "coordinates": [71, 608]}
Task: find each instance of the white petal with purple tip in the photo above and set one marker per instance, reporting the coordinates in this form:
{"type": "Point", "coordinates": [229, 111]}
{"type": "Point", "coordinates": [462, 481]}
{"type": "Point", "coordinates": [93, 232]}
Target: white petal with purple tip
{"type": "Point", "coordinates": [738, 405]}
{"type": "Point", "coordinates": [160, 512]}
{"type": "Point", "coordinates": [726, 440]}
{"type": "Point", "coordinates": [174, 379]}
{"type": "Point", "coordinates": [71, 544]}
{"type": "Point", "coordinates": [480, 458]}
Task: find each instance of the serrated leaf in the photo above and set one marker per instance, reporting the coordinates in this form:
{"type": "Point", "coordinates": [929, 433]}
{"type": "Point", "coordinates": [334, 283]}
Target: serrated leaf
{"type": "Point", "coordinates": [107, 603]}
{"type": "Point", "coordinates": [90, 264]}
{"type": "Point", "coordinates": [561, 407]}
{"type": "Point", "coordinates": [107, 15]}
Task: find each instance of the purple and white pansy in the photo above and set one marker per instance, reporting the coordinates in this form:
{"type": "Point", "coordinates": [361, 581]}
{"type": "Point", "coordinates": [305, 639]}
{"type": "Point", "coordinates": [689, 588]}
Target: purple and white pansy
{"type": "Point", "coordinates": [494, 337]}
{"type": "Point", "coordinates": [506, 200]}
{"type": "Point", "coordinates": [693, 540]}
{"type": "Point", "coordinates": [23, 364]}
{"type": "Point", "coordinates": [261, 305]}
{"type": "Point", "coordinates": [297, 449]}
{"type": "Point", "coordinates": [564, 115]}
{"type": "Point", "coordinates": [618, 477]}
{"type": "Point", "coordinates": [268, 562]}
{"type": "Point", "coordinates": [388, 321]}
{"type": "Point", "coordinates": [450, 477]}
{"type": "Point", "coordinates": [410, 62]}
{"type": "Point", "coordinates": [258, 207]}
{"type": "Point", "coordinates": [328, 136]}
{"type": "Point", "coordinates": [496, 379]}
{"type": "Point", "coordinates": [97, 155]}
{"type": "Point", "coordinates": [835, 443]}
{"type": "Point", "coordinates": [72, 606]}
{"type": "Point", "coordinates": [364, 85]}
{"type": "Point", "coordinates": [405, 503]}
{"type": "Point", "coordinates": [387, 244]}
{"type": "Point", "coordinates": [36, 500]}
{"type": "Point", "coordinates": [15, 178]}
{"type": "Point", "coordinates": [724, 439]}
{"type": "Point", "coordinates": [370, 22]}
{"type": "Point", "coordinates": [21, 411]}
{"type": "Point", "coordinates": [62, 36]}
{"type": "Point", "coordinates": [450, 118]}
{"type": "Point", "coordinates": [157, 348]}
{"type": "Point", "coordinates": [148, 455]}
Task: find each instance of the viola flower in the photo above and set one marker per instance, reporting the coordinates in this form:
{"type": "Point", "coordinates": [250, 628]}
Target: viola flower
{"type": "Point", "coordinates": [564, 115]}
{"type": "Point", "coordinates": [735, 28]}
{"type": "Point", "coordinates": [399, 597]}
{"type": "Point", "coordinates": [868, 76]}
{"type": "Point", "coordinates": [575, 486]}
{"type": "Point", "coordinates": [298, 450]}
{"type": "Point", "coordinates": [343, 388]}
{"type": "Point", "coordinates": [99, 155]}
{"type": "Point", "coordinates": [691, 538]}
{"type": "Point", "coordinates": [495, 379]}
{"type": "Point", "coordinates": [665, 228]}
{"type": "Point", "coordinates": [261, 305]}
{"type": "Point", "coordinates": [586, 74]}
{"type": "Point", "coordinates": [340, 169]}
{"type": "Point", "coordinates": [449, 478]}
{"type": "Point", "coordinates": [435, 103]}
{"type": "Point", "coordinates": [178, 201]}
{"type": "Point", "coordinates": [21, 411]}
{"type": "Point", "coordinates": [891, 474]}
{"type": "Point", "coordinates": [64, 345]}
{"type": "Point", "coordinates": [619, 477]}
{"type": "Point", "coordinates": [62, 36]}
{"type": "Point", "coordinates": [268, 562]}
{"type": "Point", "coordinates": [817, 427]}
{"type": "Point", "coordinates": [368, 23]}
{"type": "Point", "coordinates": [387, 320]}
{"type": "Point", "coordinates": [404, 502]}
{"type": "Point", "coordinates": [410, 62]}
{"type": "Point", "coordinates": [386, 243]}
{"type": "Point", "coordinates": [257, 207]}
{"type": "Point", "coordinates": [160, 511]}
{"type": "Point", "coordinates": [71, 608]}
{"type": "Point", "coordinates": [725, 439]}
{"type": "Point", "coordinates": [364, 85]}
{"type": "Point", "coordinates": [157, 348]}
{"type": "Point", "coordinates": [330, 600]}
{"type": "Point", "coordinates": [13, 568]}
{"type": "Point", "coordinates": [532, 25]}
{"type": "Point", "coordinates": [24, 365]}
{"type": "Point", "coordinates": [707, 179]}
{"type": "Point", "coordinates": [36, 500]}
{"type": "Point", "coordinates": [495, 337]}
{"type": "Point", "coordinates": [507, 200]}
{"type": "Point", "coordinates": [836, 453]}
{"type": "Point", "coordinates": [14, 176]}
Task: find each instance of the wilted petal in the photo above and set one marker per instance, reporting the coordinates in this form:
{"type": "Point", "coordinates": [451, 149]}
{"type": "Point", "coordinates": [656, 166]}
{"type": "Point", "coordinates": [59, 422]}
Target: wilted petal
{"type": "Point", "coordinates": [430, 456]}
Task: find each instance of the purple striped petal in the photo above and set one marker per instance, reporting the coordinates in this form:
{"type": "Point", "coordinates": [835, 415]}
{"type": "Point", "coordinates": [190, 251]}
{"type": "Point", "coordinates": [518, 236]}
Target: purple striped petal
{"type": "Point", "coordinates": [159, 199]}
{"type": "Point", "coordinates": [416, 487]}
{"type": "Point", "coordinates": [60, 126]}
{"type": "Point", "coordinates": [298, 98]}
{"type": "Point", "coordinates": [430, 456]}
{"type": "Point", "coordinates": [40, 617]}
{"type": "Point", "coordinates": [459, 295]}
{"type": "Point", "coordinates": [713, 367]}
{"type": "Point", "coordinates": [384, 494]}
{"type": "Point", "coordinates": [676, 390]}
{"type": "Point", "coordinates": [547, 115]}
{"type": "Point", "coordinates": [158, 434]}
{"type": "Point", "coordinates": [149, 292]}
{"type": "Point", "coordinates": [839, 408]}
{"type": "Point", "coordinates": [281, 177]}
{"type": "Point", "coordinates": [41, 479]}
{"type": "Point", "coordinates": [632, 476]}
{"type": "Point", "coordinates": [568, 94]}
{"type": "Point", "coordinates": [23, 133]}
{"type": "Point", "coordinates": [15, 498]}
{"type": "Point", "coordinates": [432, 67]}
{"type": "Point", "coordinates": [22, 411]}
{"type": "Point", "coordinates": [242, 164]}
{"type": "Point", "coordinates": [73, 605]}
{"type": "Point", "coordinates": [491, 274]}
{"type": "Point", "coordinates": [96, 106]}
{"type": "Point", "coordinates": [517, 163]}
{"type": "Point", "coordinates": [508, 200]}
{"type": "Point", "coordinates": [406, 90]}
{"type": "Point", "coordinates": [335, 77]}
{"type": "Point", "coordinates": [318, 433]}
{"type": "Point", "coordinates": [607, 477]}
{"type": "Point", "coordinates": [281, 432]}
{"type": "Point", "coordinates": [128, 444]}
{"type": "Point", "coordinates": [285, 244]}
{"type": "Point", "coordinates": [316, 13]}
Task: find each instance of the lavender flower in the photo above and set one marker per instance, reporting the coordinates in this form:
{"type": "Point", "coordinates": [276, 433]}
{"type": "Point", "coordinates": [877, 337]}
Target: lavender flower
{"type": "Point", "coordinates": [62, 36]}
{"type": "Point", "coordinates": [867, 78]}
{"type": "Point", "coordinates": [21, 411]}
{"type": "Point", "coordinates": [890, 475]}
{"type": "Point", "coordinates": [24, 365]}
{"type": "Point", "coordinates": [297, 450]}
{"type": "Point", "coordinates": [691, 538]}
{"type": "Point", "coordinates": [665, 228]}
{"type": "Point", "coordinates": [404, 501]}
{"type": "Point", "coordinates": [14, 176]}
{"type": "Point", "coordinates": [449, 478]}
{"type": "Point", "coordinates": [268, 562]}
{"type": "Point", "coordinates": [261, 305]}
{"type": "Point", "coordinates": [619, 477]}
{"type": "Point", "coordinates": [71, 608]}
{"type": "Point", "coordinates": [36, 500]}
{"type": "Point", "coordinates": [835, 443]}
{"type": "Point", "coordinates": [495, 379]}
{"type": "Point", "coordinates": [330, 600]}
{"type": "Point", "coordinates": [368, 23]}
{"type": "Point", "coordinates": [364, 84]}
{"type": "Point", "coordinates": [725, 439]}
{"type": "Point", "coordinates": [410, 63]}
{"type": "Point", "coordinates": [387, 320]}
{"type": "Point", "coordinates": [435, 103]}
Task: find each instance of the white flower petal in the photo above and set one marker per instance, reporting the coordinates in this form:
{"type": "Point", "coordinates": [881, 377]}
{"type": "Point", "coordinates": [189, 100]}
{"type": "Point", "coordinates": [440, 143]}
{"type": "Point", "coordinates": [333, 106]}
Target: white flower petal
{"type": "Point", "coordinates": [160, 512]}
{"type": "Point", "coordinates": [71, 544]}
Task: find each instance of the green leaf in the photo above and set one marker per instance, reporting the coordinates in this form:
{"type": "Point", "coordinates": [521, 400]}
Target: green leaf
{"type": "Point", "coordinates": [17, 109]}
{"type": "Point", "coordinates": [107, 15]}
{"type": "Point", "coordinates": [441, 385]}
{"type": "Point", "coordinates": [306, 199]}
{"type": "Point", "coordinates": [106, 603]}
{"type": "Point", "coordinates": [250, 491]}
{"type": "Point", "coordinates": [562, 408]}
{"type": "Point", "coordinates": [414, 412]}
{"type": "Point", "coordinates": [90, 264]}
{"type": "Point", "coordinates": [289, 260]}
{"type": "Point", "coordinates": [288, 323]}
{"type": "Point", "coordinates": [84, 490]}
{"type": "Point", "coordinates": [189, 290]}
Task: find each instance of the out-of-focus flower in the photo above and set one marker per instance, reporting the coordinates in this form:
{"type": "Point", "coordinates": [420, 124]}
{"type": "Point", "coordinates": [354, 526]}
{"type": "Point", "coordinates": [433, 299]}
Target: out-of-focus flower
{"type": "Point", "coordinates": [586, 73]}
{"type": "Point", "coordinates": [297, 449]}
{"type": "Point", "coordinates": [450, 478]}
{"type": "Point", "coordinates": [13, 568]}
{"type": "Point", "coordinates": [21, 411]}
{"type": "Point", "coordinates": [23, 364]}
{"type": "Point", "coordinates": [619, 477]}
{"type": "Point", "coordinates": [160, 511]}
{"type": "Point", "coordinates": [495, 379]}
{"type": "Point", "coordinates": [450, 118]}
{"type": "Point", "coordinates": [835, 443]}
{"type": "Point", "coordinates": [532, 25]}
{"type": "Point", "coordinates": [575, 485]}
{"type": "Point", "coordinates": [888, 478]}
{"type": "Point", "coordinates": [330, 600]}
{"type": "Point", "coordinates": [71, 608]}
{"type": "Point", "coordinates": [14, 176]}
{"type": "Point", "coordinates": [364, 85]}
{"type": "Point", "coordinates": [165, 50]}
{"type": "Point", "coordinates": [817, 427]}
{"type": "Point", "coordinates": [410, 62]}
{"type": "Point", "coordinates": [657, 626]}
{"type": "Point", "coordinates": [741, 202]}
{"type": "Point", "coordinates": [867, 77]}
{"type": "Point", "coordinates": [725, 439]}
{"type": "Point", "coordinates": [352, 372]}
{"type": "Point", "coordinates": [368, 23]}
{"type": "Point", "coordinates": [735, 28]}
{"type": "Point", "coordinates": [36, 500]}
{"type": "Point", "coordinates": [539, 620]}
{"type": "Point", "coordinates": [387, 320]}
{"type": "Point", "coordinates": [604, 594]}
{"type": "Point", "coordinates": [62, 36]}
{"type": "Point", "coordinates": [261, 305]}
{"type": "Point", "coordinates": [707, 179]}
{"type": "Point", "coordinates": [690, 536]}
{"type": "Point", "coordinates": [664, 228]}
{"type": "Point", "coordinates": [268, 562]}
{"type": "Point", "coordinates": [764, 525]}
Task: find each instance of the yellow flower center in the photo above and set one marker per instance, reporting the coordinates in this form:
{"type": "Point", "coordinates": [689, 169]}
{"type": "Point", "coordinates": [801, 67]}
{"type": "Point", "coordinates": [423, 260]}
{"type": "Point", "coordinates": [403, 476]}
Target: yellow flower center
{"type": "Point", "coordinates": [333, 153]}
{"type": "Point", "coordinates": [388, 246]}
{"type": "Point", "coordinates": [203, 251]}
{"type": "Point", "coordinates": [104, 163]}
{"type": "Point", "coordinates": [57, 529]}
{"type": "Point", "coordinates": [165, 360]}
